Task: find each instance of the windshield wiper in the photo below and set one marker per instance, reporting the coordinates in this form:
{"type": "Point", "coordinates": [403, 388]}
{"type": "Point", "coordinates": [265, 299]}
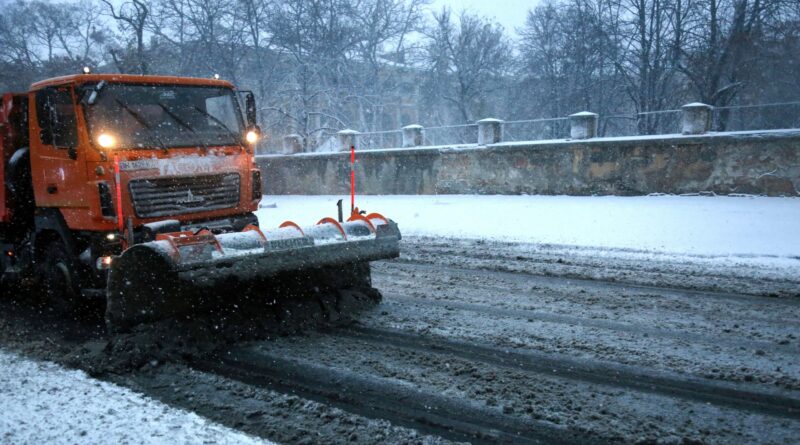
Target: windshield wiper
{"type": "Point", "coordinates": [142, 121]}
{"type": "Point", "coordinates": [236, 137]}
{"type": "Point", "coordinates": [175, 117]}
{"type": "Point", "coordinates": [182, 123]}
{"type": "Point", "coordinates": [95, 93]}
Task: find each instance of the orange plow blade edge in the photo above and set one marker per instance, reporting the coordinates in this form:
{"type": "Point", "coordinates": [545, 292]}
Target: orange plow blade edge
{"type": "Point", "coordinates": [182, 273]}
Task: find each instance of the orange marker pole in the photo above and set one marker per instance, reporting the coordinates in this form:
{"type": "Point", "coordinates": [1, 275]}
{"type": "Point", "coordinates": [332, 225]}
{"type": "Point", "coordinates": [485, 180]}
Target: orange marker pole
{"type": "Point", "coordinates": [118, 187]}
{"type": "Point", "coordinates": [352, 179]}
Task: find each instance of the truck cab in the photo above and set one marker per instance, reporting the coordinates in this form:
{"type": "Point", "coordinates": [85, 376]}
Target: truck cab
{"type": "Point", "coordinates": [179, 145]}
{"type": "Point", "coordinates": [110, 160]}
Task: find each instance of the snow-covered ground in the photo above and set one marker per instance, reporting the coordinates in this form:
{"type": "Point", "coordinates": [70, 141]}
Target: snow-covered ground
{"type": "Point", "coordinates": [691, 225]}
{"type": "Point", "coordinates": [44, 403]}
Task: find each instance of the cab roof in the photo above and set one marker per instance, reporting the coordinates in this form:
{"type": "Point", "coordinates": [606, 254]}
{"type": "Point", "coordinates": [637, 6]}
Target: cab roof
{"type": "Point", "coordinates": [77, 79]}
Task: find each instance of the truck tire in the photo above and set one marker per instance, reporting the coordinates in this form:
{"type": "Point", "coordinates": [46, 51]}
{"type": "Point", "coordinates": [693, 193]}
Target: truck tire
{"type": "Point", "coordinates": [57, 277]}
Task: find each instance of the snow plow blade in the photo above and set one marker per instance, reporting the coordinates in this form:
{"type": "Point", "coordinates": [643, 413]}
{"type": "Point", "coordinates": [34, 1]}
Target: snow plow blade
{"type": "Point", "coordinates": [184, 273]}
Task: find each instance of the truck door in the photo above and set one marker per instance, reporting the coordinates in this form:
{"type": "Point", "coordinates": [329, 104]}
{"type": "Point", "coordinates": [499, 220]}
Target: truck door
{"type": "Point", "coordinates": [58, 173]}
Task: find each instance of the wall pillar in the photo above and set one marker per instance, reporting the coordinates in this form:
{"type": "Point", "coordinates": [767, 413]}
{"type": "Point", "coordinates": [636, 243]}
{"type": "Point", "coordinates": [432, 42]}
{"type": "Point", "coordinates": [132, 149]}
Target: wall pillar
{"type": "Point", "coordinates": [696, 118]}
{"type": "Point", "coordinates": [292, 143]}
{"type": "Point", "coordinates": [490, 131]}
{"type": "Point", "coordinates": [583, 125]}
{"type": "Point", "coordinates": [413, 135]}
{"type": "Point", "coordinates": [348, 138]}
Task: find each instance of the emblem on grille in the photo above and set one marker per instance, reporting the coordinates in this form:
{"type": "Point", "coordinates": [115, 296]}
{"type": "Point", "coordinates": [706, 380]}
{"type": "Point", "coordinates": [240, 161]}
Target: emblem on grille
{"type": "Point", "coordinates": [190, 198]}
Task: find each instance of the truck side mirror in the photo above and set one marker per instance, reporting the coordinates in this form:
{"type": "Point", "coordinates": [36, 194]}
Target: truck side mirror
{"type": "Point", "coordinates": [250, 109]}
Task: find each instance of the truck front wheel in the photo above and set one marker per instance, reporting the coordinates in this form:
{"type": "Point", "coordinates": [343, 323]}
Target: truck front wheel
{"type": "Point", "coordinates": [57, 278]}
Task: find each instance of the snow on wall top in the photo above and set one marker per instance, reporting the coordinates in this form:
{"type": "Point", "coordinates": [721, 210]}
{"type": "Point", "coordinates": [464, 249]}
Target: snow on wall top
{"type": "Point", "coordinates": [660, 138]}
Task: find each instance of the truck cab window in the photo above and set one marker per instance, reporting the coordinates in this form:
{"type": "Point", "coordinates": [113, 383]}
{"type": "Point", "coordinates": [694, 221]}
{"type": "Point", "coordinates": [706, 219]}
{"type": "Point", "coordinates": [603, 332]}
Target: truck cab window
{"type": "Point", "coordinates": [223, 111]}
{"type": "Point", "coordinates": [56, 114]}
{"type": "Point", "coordinates": [166, 116]}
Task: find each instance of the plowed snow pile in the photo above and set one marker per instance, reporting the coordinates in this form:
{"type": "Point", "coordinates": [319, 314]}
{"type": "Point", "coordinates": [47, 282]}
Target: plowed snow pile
{"type": "Point", "coordinates": [45, 403]}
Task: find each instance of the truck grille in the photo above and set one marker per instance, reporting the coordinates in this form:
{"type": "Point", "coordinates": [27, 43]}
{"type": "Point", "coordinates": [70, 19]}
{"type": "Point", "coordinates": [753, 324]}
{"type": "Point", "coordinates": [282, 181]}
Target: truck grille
{"type": "Point", "coordinates": [178, 195]}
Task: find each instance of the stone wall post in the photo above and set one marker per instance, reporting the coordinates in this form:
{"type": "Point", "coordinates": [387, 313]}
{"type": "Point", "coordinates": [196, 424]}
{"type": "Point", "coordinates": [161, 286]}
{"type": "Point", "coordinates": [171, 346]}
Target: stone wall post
{"type": "Point", "coordinates": [490, 131]}
{"type": "Point", "coordinates": [583, 125]}
{"type": "Point", "coordinates": [292, 143]}
{"type": "Point", "coordinates": [413, 136]}
{"type": "Point", "coordinates": [696, 118]}
{"type": "Point", "coordinates": [348, 138]}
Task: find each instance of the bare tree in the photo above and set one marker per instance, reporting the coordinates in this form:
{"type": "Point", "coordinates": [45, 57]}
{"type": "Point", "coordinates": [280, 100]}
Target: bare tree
{"type": "Point", "coordinates": [209, 36]}
{"type": "Point", "coordinates": [40, 39]}
{"type": "Point", "coordinates": [255, 15]}
{"type": "Point", "coordinates": [319, 40]}
{"type": "Point", "coordinates": [132, 16]}
{"type": "Point", "coordinates": [466, 57]}
{"type": "Point", "coordinates": [19, 58]}
{"type": "Point", "coordinates": [648, 34]}
{"type": "Point", "coordinates": [566, 61]}
{"type": "Point", "coordinates": [382, 43]}
{"type": "Point", "coordinates": [716, 59]}
{"type": "Point", "coordinates": [72, 32]}
{"type": "Point", "coordinates": [321, 65]}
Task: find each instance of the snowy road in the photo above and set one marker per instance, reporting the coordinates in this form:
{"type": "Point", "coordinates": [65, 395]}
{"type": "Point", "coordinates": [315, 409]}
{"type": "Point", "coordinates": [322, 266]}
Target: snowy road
{"type": "Point", "coordinates": [492, 342]}
{"type": "Point", "coordinates": [467, 348]}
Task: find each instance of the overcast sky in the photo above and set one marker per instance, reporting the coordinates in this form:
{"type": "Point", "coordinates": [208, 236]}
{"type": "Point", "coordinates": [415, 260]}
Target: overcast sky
{"type": "Point", "coordinates": [509, 13]}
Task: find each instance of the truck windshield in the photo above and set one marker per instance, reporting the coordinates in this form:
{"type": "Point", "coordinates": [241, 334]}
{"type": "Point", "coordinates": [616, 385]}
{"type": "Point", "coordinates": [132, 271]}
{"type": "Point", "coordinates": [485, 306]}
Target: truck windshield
{"type": "Point", "coordinates": [159, 116]}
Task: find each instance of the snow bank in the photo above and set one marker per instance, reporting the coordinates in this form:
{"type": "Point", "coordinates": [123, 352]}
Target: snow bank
{"type": "Point", "coordinates": [45, 403]}
{"type": "Point", "coordinates": [696, 225]}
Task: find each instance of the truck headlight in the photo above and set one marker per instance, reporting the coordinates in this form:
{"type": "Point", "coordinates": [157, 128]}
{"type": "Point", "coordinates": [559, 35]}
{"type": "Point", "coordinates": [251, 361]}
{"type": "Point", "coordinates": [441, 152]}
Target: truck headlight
{"type": "Point", "coordinates": [106, 140]}
{"type": "Point", "coordinates": [251, 137]}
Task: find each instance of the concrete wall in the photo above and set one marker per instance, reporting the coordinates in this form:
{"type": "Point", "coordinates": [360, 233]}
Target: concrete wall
{"type": "Point", "coordinates": [766, 162]}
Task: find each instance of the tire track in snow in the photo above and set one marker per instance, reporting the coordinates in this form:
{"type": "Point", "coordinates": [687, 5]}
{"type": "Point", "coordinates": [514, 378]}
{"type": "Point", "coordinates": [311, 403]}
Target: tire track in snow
{"type": "Point", "coordinates": [589, 322]}
{"type": "Point", "coordinates": [378, 397]}
{"type": "Point", "coordinates": [615, 375]}
{"type": "Point", "coordinates": [586, 283]}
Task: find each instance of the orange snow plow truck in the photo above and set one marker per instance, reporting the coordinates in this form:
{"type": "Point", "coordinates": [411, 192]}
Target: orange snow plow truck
{"type": "Point", "coordinates": [140, 190]}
